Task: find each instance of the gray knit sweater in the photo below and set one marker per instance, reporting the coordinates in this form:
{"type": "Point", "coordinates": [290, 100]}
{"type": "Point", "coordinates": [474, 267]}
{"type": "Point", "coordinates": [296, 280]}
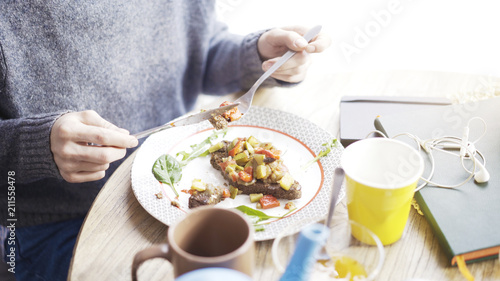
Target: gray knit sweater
{"type": "Point", "coordinates": [138, 63]}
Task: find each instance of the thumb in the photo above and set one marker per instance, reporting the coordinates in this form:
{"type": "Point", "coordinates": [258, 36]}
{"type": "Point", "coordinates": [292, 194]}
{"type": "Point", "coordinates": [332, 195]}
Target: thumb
{"type": "Point", "coordinates": [291, 39]}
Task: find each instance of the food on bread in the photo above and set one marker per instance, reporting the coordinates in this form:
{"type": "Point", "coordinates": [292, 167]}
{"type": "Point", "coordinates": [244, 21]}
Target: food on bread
{"type": "Point", "coordinates": [255, 167]}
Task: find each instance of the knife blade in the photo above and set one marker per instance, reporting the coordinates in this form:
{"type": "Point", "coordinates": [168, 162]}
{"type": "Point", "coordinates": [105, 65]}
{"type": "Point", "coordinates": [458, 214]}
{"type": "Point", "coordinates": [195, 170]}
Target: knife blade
{"type": "Point", "coordinates": [188, 120]}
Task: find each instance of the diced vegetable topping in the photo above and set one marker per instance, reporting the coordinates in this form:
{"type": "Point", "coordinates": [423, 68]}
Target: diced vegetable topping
{"type": "Point", "coordinates": [286, 181]}
{"type": "Point", "coordinates": [216, 147]}
{"type": "Point", "coordinates": [233, 191]}
{"type": "Point", "coordinates": [198, 185]}
{"type": "Point", "coordinates": [249, 148]}
{"type": "Point", "coordinates": [249, 160]}
{"type": "Point", "coordinates": [226, 163]}
{"type": "Point", "coordinates": [268, 201]}
{"type": "Point", "coordinates": [242, 158]}
{"type": "Point", "coordinates": [238, 147]}
{"type": "Point", "coordinates": [244, 176]}
{"type": "Point", "coordinates": [268, 153]}
{"type": "Point", "coordinates": [260, 172]}
{"type": "Point", "coordinates": [259, 158]}
{"type": "Point", "coordinates": [234, 176]}
{"type": "Point", "coordinates": [226, 193]}
{"type": "Point", "coordinates": [249, 170]}
{"type": "Point", "coordinates": [253, 141]}
{"type": "Point", "coordinates": [247, 174]}
{"type": "Point", "coordinates": [255, 197]}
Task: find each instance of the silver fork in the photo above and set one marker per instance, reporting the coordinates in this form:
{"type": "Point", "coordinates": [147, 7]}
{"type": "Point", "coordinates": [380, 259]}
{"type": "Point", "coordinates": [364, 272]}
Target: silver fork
{"type": "Point", "coordinates": [246, 99]}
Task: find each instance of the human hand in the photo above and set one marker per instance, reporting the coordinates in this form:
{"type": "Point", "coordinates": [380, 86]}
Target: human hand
{"type": "Point", "coordinates": [76, 160]}
{"type": "Point", "coordinates": [276, 42]}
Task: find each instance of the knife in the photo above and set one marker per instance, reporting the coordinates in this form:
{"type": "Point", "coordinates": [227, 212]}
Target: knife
{"type": "Point", "coordinates": [188, 120]}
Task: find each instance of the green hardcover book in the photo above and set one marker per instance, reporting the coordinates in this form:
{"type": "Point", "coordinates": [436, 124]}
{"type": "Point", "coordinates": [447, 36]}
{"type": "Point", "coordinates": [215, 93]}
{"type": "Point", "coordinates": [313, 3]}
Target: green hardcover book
{"type": "Point", "coordinates": [466, 220]}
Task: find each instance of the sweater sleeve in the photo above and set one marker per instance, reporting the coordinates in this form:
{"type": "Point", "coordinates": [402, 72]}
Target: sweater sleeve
{"type": "Point", "coordinates": [233, 62]}
{"type": "Point", "coordinates": [25, 147]}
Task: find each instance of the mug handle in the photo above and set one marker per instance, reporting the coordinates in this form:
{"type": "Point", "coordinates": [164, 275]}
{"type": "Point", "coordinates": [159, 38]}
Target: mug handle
{"type": "Point", "coordinates": [156, 251]}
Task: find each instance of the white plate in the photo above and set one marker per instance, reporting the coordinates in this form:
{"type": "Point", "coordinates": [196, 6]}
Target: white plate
{"type": "Point", "coordinates": [298, 139]}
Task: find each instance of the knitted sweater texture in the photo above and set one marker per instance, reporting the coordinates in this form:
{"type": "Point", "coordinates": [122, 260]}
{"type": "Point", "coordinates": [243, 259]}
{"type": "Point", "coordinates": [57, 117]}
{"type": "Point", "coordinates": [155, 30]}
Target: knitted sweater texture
{"type": "Point", "coordinates": [138, 63]}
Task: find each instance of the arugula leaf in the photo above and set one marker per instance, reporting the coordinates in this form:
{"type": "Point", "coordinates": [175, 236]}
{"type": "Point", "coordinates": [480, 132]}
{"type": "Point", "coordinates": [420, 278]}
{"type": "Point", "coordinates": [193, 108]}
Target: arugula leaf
{"type": "Point", "coordinates": [255, 215]}
{"type": "Point", "coordinates": [200, 149]}
{"type": "Point", "coordinates": [167, 169]}
{"type": "Point", "coordinates": [328, 147]}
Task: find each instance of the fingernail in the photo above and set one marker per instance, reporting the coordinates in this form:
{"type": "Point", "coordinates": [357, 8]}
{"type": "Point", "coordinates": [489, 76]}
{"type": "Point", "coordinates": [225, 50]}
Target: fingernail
{"type": "Point", "coordinates": [267, 65]}
{"type": "Point", "coordinates": [301, 42]}
{"type": "Point", "coordinates": [124, 131]}
{"type": "Point", "coordinates": [310, 49]}
{"type": "Point", "coordinates": [133, 143]}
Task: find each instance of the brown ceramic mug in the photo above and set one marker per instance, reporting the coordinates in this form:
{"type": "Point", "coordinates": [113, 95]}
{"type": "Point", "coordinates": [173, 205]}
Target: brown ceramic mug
{"type": "Point", "coordinates": [206, 237]}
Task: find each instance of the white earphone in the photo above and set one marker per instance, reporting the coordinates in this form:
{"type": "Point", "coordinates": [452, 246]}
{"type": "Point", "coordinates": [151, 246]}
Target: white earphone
{"type": "Point", "coordinates": [467, 149]}
{"type": "Point", "coordinates": [481, 175]}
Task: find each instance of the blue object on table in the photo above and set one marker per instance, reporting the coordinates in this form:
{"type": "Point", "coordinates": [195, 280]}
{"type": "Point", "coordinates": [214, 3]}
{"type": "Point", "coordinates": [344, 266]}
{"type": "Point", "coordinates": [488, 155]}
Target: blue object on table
{"type": "Point", "coordinates": [214, 274]}
{"type": "Point", "coordinates": [311, 239]}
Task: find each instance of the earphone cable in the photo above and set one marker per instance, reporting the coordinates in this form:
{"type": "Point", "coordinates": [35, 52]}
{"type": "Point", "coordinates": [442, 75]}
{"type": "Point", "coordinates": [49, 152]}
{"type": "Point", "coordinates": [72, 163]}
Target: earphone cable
{"type": "Point", "coordinates": [450, 141]}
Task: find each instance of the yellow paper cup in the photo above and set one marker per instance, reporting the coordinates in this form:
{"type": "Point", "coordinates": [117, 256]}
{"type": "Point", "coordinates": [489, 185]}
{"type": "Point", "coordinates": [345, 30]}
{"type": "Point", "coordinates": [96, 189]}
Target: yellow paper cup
{"type": "Point", "coordinates": [381, 177]}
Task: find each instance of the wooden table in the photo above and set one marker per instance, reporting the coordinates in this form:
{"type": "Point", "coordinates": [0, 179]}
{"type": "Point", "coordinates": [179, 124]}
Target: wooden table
{"type": "Point", "coordinates": [117, 226]}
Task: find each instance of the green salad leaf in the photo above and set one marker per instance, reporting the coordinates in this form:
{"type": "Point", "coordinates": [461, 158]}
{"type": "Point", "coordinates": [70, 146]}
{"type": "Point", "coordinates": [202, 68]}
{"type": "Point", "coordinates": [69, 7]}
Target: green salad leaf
{"type": "Point", "coordinates": [327, 149]}
{"type": "Point", "coordinates": [168, 170]}
{"type": "Point", "coordinates": [255, 215]}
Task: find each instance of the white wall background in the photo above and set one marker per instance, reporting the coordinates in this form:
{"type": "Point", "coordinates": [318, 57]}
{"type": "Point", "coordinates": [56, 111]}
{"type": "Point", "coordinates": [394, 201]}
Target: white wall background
{"type": "Point", "coordinates": [438, 35]}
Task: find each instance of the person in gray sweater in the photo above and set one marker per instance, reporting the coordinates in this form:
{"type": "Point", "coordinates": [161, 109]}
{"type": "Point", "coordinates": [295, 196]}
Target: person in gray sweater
{"type": "Point", "coordinates": [73, 73]}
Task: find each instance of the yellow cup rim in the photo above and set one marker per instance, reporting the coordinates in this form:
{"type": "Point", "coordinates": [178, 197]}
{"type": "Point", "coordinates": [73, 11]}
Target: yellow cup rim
{"type": "Point", "coordinates": [412, 180]}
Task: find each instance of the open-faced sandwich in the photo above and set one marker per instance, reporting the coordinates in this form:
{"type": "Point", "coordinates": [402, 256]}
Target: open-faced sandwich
{"type": "Point", "coordinates": [254, 167]}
